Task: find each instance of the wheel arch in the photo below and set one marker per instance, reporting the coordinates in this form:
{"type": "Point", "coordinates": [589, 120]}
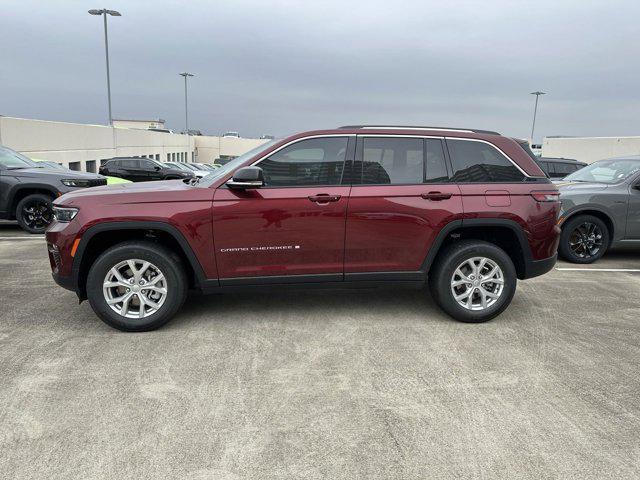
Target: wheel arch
{"type": "Point", "coordinates": [21, 191]}
{"type": "Point", "coordinates": [504, 233]}
{"type": "Point", "coordinates": [99, 237]}
{"type": "Point", "coordinates": [596, 212]}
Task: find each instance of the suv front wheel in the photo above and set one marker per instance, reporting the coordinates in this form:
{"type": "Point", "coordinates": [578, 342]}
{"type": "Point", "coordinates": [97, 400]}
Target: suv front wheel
{"type": "Point", "coordinates": [34, 213]}
{"type": "Point", "coordinates": [473, 281]}
{"type": "Point", "coordinates": [137, 286]}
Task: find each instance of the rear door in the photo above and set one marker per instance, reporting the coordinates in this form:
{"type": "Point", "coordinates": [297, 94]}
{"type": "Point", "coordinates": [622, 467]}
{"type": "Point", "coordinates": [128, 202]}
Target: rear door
{"type": "Point", "coordinates": [400, 200]}
{"type": "Point", "coordinates": [292, 229]}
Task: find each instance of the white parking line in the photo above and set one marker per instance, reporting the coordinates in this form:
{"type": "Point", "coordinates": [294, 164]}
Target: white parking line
{"type": "Point", "coordinates": [41, 237]}
{"type": "Point", "coordinates": [599, 269]}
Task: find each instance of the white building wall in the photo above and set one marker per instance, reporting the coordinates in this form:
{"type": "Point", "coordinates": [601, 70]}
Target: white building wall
{"type": "Point", "coordinates": [590, 149]}
{"type": "Point", "coordinates": [67, 143]}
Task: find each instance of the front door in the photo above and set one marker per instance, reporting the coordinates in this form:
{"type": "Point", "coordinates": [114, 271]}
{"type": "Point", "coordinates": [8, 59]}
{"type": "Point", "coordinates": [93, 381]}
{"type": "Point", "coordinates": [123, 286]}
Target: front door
{"type": "Point", "coordinates": [633, 210]}
{"type": "Point", "coordinates": [294, 225]}
{"type": "Point", "coordinates": [399, 202]}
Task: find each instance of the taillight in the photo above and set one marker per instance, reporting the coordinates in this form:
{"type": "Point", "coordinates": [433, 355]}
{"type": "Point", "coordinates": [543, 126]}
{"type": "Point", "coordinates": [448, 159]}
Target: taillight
{"type": "Point", "coordinates": [546, 196]}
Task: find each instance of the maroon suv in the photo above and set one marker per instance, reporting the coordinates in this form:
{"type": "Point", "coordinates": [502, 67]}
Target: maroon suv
{"type": "Point", "coordinates": [467, 211]}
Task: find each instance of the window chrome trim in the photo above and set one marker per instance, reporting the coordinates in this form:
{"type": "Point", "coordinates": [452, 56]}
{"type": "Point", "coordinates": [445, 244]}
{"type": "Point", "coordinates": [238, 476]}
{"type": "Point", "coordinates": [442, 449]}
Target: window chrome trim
{"type": "Point", "coordinates": [297, 140]}
{"type": "Point", "coordinates": [494, 146]}
{"type": "Point", "coordinates": [365, 135]}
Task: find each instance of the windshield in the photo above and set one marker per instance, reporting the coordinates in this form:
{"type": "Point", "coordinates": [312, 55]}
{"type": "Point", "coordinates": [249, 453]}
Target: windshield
{"type": "Point", "coordinates": [606, 171]}
{"type": "Point", "coordinates": [235, 163]}
{"type": "Point", "coordinates": [12, 160]}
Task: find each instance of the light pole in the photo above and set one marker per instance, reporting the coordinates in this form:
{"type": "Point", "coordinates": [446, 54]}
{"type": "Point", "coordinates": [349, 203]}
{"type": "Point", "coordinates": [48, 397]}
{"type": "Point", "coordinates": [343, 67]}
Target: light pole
{"type": "Point", "coordinates": [186, 106]}
{"type": "Point", "coordinates": [535, 111]}
{"type": "Point", "coordinates": [104, 12]}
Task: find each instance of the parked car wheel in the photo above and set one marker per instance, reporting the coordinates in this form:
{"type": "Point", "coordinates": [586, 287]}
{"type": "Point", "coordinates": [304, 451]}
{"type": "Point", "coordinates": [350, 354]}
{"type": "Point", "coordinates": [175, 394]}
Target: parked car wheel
{"type": "Point", "coordinates": [34, 213]}
{"type": "Point", "coordinates": [137, 286]}
{"type": "Point", "coordinates": [473, 281]}
{"type": "Point", "coordinates": [584, 239]}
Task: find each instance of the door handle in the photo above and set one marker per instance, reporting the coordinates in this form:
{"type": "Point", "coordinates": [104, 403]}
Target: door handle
{"type": "Point", "coordinates": [436, 196]}
{"type": "Point", "coordinates": [324, 198]}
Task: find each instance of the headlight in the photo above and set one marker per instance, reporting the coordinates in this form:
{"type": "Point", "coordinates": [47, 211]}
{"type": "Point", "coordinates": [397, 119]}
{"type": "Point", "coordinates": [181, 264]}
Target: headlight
{"type": "Point", "coordinates": [75, 182]}
{"type": "Point", "coordinates": [64, 214]}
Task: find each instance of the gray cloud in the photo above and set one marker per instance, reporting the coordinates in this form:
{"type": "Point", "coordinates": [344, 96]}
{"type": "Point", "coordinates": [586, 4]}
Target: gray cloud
{"type": "Point", "coordinates": [282, 66]}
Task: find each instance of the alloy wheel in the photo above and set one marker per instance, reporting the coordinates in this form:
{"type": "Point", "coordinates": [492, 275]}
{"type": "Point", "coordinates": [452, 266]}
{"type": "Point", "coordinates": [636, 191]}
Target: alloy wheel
{"type": "Point", "coordinates": [37, 214]}
{"type": "Point", "coordinates": [135, 288]}
{"type": "Point", "coordinates": [586, 240]}
{"type": "Point", "coordinates": [477, 283]}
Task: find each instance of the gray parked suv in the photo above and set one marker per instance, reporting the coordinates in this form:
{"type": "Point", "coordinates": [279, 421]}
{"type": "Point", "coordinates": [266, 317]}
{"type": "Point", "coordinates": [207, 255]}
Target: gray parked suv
{"type": "Point", "coordinates": [600, 208]}
{"type": "Point", "coordinates": [27, 189]}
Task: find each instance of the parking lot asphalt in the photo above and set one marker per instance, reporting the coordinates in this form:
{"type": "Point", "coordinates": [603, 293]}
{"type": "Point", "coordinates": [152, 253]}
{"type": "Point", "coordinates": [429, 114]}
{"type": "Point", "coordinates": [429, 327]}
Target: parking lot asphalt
{"type": "Point", "coordinates": [335, 385]}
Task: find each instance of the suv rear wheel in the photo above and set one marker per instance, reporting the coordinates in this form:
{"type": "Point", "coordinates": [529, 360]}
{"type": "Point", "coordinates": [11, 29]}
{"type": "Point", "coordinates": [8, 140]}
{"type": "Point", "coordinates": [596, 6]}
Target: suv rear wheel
{"type": "Point", "coordinates": [584, 239]}
{"type": "Point", "coordinates": [137, 286]}
{"type": "Point", "coordinates": [473, 281]}
{"type": "Point", "coordinates": [34, 213]}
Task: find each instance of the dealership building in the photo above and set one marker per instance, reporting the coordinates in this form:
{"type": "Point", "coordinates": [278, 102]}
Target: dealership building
{"type": "Point", "coordinates": [84, 147]}
{"type": "Point", "coordinates": [590, 149]}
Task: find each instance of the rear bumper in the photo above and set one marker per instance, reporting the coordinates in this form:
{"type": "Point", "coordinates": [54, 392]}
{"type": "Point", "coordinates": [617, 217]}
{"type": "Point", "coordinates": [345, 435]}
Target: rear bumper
{"type": "Point", "coordinates": [536, 268]}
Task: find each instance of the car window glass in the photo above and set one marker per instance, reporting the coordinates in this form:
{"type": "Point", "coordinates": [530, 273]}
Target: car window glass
{"type": "Point", "coordinates": [479, 162]}
{"type": "Point", "coordinates": [565, 168]}
{"type": "Point", "coordinates": [315, 161]}
{"type": "Point", "coordinates": [129, 163]}
{"type": "Point", "coordinates": [606, 171]}
{"type": "Point", "coordinates": [436, 167]}
{"type": "Point", "coordinates": [392, 161]}
{"type": "Point", "coordinates": [12, 159]}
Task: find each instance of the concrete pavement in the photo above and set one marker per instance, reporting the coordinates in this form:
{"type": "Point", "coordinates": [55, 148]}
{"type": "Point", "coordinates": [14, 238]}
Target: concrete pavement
{"type": "Point", "coordinates": [335, 385]}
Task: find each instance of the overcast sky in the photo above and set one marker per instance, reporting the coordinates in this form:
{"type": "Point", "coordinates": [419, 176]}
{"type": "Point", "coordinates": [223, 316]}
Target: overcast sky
{"type": "Point", "coordinates": [278, 67]}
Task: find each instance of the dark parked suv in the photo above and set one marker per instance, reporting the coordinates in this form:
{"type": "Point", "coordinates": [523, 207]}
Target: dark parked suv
{"type": "Point", "coordinates": [467, 211]}
{"type": "Point", "coordinates": [27, 189]}
{"type": "Point", "coordinates": [558, 168]}
{"type": "Point", "coordinates": [141, 170]}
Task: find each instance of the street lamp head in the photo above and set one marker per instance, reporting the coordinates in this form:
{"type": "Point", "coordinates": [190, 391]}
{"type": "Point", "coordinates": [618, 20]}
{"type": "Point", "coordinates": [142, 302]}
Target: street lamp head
{"type": "Point", "coordinates": [186, 74]}
{"type": "Point", "coordinates": [538, 93]}
{"type": "Point", "coordinates": [102, 11]}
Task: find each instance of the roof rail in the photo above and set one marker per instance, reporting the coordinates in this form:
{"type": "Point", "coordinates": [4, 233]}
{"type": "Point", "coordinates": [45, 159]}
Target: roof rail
{"type": "Point", "coordinates": [419, 127]}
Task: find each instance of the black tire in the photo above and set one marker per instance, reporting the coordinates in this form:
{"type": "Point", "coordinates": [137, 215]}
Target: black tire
{"type": "Point", "coordinates": [34, 213]}
{"type": "Point", "coordinates": [581, 229]}
{"type": "Point", "coordinates": [442, 273]}
{"type": "Point", "coordinates": [168, 263]}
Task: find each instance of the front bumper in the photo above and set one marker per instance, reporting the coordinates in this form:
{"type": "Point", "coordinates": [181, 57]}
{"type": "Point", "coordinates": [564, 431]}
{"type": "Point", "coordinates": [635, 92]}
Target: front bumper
{"type": "Point", "coordinates": [64, 282]}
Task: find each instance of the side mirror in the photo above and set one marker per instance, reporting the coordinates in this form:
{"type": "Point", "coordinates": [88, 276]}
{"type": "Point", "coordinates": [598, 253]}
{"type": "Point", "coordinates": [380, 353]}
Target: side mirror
{"type": "Point", "coordinates": [156, 168]}
{"type": "Point", "coordinates": [247, 177]}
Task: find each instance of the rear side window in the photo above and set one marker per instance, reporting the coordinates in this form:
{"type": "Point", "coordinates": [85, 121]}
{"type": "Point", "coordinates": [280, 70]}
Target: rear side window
{"type": "Point", "coordinates": [316, 161]}
{"type": "Point", "coordinates": [436, 166]}
{"type": "Point", "coordinates": [392, 161]}
{"type": "Point", "coordinates": [479, 162]}
{"type": "Point", "coordinates": [565, 168]}
{"type": "Point", "coordinates": [129, 163]}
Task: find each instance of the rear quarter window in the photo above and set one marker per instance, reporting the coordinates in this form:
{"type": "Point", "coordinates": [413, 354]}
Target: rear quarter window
{"type": "Point", "coordinates": [479, 162]}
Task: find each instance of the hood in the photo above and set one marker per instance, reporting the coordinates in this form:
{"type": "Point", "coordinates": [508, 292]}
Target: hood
{"type": "Point", "coordinates": [37, 172]}
{"type": "Point", "coordinates": [579, 187]}
{"type": "Point", "coordinates": [148, 189]}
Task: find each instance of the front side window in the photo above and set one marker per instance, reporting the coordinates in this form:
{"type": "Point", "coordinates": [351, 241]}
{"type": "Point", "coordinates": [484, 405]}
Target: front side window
{"type": "Point", "coordinates": [315, 161]}
{"type": "Point", "coordinates": [387, 160]}
{"type": "Point", "coordinates": [479, 162]}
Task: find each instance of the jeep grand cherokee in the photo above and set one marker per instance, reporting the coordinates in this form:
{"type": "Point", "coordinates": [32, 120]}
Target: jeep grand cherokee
{"type": "Point", "coordinates": [466, 211]}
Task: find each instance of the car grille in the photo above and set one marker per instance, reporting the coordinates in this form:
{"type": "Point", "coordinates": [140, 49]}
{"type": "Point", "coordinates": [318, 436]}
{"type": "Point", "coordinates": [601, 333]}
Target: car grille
{"type": "Point", "coordinates": [96, 182]}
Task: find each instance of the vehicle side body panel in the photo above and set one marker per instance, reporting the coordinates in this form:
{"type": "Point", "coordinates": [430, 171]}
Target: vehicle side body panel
{"type": "Point", "coordinates": [279, 231]}
{"type": "Point", "coordinates": [392, 227]}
